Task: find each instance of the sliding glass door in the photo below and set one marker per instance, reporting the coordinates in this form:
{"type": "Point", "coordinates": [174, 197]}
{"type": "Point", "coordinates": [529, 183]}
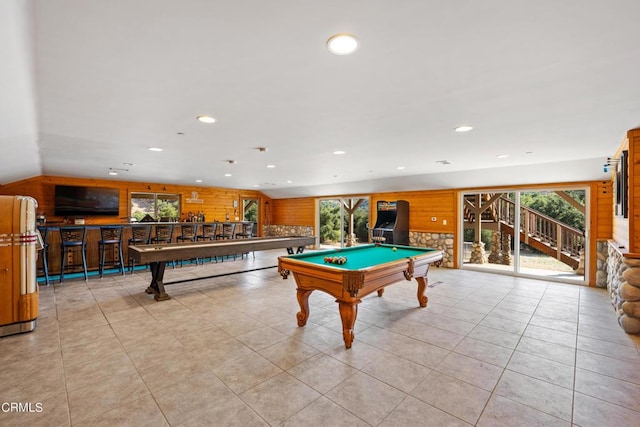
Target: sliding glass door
{"type": "Point", "coordinates": [343, 222]}
{"type": "Point", "coordinates": [533, 232]}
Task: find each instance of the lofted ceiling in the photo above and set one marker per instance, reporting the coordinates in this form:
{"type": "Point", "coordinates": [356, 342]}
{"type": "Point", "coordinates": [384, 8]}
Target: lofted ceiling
{"type": "Point", "coordinates": [89, 86]}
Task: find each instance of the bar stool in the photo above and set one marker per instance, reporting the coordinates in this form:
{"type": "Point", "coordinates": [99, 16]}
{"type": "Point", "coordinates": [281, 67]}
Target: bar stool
{"type": "Point", "coordinates": [140, 235]}
{"type": "Point", "coordinates": [226, 233]}
{"type": "Point", "coordinates": [247, 230]}
{"type": "Point", "coordinates": [188, 233]}
{"type": "Point", "coordinates": [44, 233]}
{"type": "Point", "coordinates": [208, 234]}
{"type": "Point", "coordinates": [111, 237]}
{"type": "Point", "coordinates": [164, 234]}
{"type": "Point", "coordinates": [73, 240]}
{"type": "Point", "coordinates": [247, 233]}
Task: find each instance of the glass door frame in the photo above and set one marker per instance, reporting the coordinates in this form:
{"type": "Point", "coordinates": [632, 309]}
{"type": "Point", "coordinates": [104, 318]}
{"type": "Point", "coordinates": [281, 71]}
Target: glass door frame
{"type": "Point", "coordinates": [343, 215]}
{"type": "Point", "coordinates": [516, 271]}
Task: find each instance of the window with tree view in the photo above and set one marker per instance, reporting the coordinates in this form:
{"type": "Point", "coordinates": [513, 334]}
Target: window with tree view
{"type": "Point", "coordinates": [155, 207]}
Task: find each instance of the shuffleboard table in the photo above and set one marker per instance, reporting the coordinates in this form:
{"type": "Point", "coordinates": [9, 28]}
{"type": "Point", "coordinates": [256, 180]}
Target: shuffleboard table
{"type": "Point", "coordinates": [158, 255]}
{"type": "Point", "coordinates": [368, 268]}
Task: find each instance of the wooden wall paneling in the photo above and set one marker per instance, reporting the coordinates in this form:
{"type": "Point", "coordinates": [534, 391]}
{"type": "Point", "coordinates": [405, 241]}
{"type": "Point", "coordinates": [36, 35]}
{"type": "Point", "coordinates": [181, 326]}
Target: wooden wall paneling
{"type": "Point", "coordinates": [299, 211]}
{"type": "Point", "coordinates": [633, 140]}
{"type": "Point", "coordinates": [217, 202]}
{"type": "Point", "coordinates": [423, 206]}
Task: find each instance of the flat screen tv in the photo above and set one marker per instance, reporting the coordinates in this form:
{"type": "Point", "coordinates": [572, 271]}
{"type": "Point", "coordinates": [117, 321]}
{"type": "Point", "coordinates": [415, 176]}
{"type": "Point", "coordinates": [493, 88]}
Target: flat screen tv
{"type": "Point", "coordinates": [83, 201]}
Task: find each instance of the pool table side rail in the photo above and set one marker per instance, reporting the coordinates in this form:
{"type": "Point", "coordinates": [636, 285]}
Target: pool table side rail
{"type": "Point", "coordinates": [353, 281]}
{"type": "Point", "coordinates": [168, 252]}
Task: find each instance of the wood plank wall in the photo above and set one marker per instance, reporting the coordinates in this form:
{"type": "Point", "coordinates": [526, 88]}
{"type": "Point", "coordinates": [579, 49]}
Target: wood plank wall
{"type": "Point", "coordinates": [217, 202]}
{"type": "Point", "coordinates": [633, 137]}
{"type": "Point", "coordinates": [423, 207]}
{"type": "Point", "coordinates": [293, 211]}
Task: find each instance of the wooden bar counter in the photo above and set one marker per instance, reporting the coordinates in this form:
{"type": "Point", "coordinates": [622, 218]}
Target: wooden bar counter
{"type": "Point", "coordinates": [93, 236]}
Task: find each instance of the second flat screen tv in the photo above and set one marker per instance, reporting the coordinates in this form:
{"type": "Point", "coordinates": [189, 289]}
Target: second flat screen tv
{"type": "Point", "coordinates": [83, 201]}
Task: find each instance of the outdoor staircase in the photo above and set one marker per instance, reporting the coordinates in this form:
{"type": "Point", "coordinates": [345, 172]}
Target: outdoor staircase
{"type": "Point", "coordinates": [537, 230]}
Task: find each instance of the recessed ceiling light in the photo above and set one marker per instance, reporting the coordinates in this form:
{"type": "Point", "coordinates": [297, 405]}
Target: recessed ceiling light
{"type": "Point", "coordinates": [206, 119]}
{"type": "Point", "coordinates": [342, 44]}
{"type": "Point", "coordinates": [339, 152]}
{"type": "Point", "coordinates": [271, 166]}
{"type": "Point", "coordinates": [198, 180]}
{"type": "Point", "coordinates": [227, 174]}
{"type": "Point", "coordinates": [262, 149]}
{"type": "Point", "coordinates": [502, 156]}
{"type": "Point", "coordinates": [400, 168]}
{"type": "Point", "coordinates": [128, 164]}
{"type": "Point", "coordinates": [156, 149]}
{"type": "Point", "coordinates": [113, 173]}
{"type": "Point", "coordinates": [444, 162]}
{"type": "Point", "coordinates": [289, 181]}
{"type": "Point", "coordinates": [463, 128]}
{"type": "Point", "coordinates": [231, 162]}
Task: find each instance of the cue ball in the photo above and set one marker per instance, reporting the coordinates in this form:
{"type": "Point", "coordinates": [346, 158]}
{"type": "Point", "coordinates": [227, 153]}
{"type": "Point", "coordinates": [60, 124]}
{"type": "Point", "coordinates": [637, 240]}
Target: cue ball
{"type": "Point", "coordinates": [395, 249]}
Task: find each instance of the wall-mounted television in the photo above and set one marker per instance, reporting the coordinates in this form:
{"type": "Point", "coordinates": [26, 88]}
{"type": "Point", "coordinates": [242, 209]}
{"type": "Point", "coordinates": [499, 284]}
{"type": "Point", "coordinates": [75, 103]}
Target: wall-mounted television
{"type": "Point", "coordinates": [83, 201]}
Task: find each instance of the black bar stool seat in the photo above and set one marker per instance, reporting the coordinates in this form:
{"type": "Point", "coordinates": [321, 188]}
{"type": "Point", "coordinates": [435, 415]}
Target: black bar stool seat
{"type": "Point", "coordinates": [111, 237]}
{"type": "Point", "coordinates": [208, 234]}
{"type": "Point", "coordinates": [164, 234]}
{"type": "Point", "coordinates": [73, 240]}
{"type": "Point", "coordinates": [140, 235]}
{"type": "Point", "coordinates": [188, 233]}
{"type": "Point", "coordinates": [44, 254]}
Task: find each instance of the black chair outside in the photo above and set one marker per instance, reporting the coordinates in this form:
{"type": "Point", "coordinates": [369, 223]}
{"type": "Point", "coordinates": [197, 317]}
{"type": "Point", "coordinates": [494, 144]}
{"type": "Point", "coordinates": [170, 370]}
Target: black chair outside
{"type": "Point", "coordinates": [111, 238]}
{"type": "Point", "coordinates": [188, 233]}
{"type": "Point", "coordinates": [247, 233]}
{"type": "Point", "coordinates": [73, 240]}
{"type": "Point", "coordinates": [44, 254]}
{"type": "Point", "coordinates": [140, 235]}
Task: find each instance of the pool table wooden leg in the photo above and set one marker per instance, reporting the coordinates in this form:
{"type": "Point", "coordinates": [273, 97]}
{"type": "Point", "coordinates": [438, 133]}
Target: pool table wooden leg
{"type": "Point", "coordinates": [422, 285]}
{"type": "Point", "coordinates": [348, 314]}
{"type": "Point", "coordinates": [303, 300]}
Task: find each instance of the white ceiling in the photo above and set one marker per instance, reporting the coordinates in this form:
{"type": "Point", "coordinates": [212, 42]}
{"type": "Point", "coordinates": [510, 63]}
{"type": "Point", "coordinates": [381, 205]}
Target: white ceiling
{"type": "Point", "coordinates": [89, 85]}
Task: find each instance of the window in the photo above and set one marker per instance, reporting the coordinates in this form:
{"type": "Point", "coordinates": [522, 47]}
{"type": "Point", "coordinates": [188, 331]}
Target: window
{"type": "Point", "coordinates": [250, 210]}
{"type": "Point", "coordinates": [155, 207]}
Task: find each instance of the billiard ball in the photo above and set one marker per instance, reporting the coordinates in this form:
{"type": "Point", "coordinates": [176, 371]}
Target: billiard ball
{"type": "Point", "coordinates": [394, 249]}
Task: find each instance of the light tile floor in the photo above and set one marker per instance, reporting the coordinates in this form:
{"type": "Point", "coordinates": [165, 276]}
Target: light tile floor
{"type": "Point", "coordinates": [489, 350]}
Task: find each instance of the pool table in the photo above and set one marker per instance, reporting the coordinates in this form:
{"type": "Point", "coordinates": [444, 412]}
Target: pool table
{"type": "Point", "coordinates": [368, 268]}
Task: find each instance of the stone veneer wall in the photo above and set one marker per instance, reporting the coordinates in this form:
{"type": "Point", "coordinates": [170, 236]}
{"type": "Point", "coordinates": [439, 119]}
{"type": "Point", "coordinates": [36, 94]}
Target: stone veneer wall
{"type": "Point", "coordinates": [287, 230]}
{"type": "Point", "coordinates": [441, 241]}
{"type": "Point", "coordinates": [623, 284]}
{"type": "Point", "coordinates": [602, 257]}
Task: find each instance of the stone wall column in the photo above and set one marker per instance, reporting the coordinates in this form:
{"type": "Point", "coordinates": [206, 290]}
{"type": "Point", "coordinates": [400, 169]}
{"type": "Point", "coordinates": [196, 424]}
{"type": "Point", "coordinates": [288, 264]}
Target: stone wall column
{"type": "Point", "coordinates": [495, 257]}
{"type": "Point", "coordinates": [630, 296]}
{"type": "Point", "coordinates": [506, 249]}
{"type": "Point", "coordinates": [478, 255]}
